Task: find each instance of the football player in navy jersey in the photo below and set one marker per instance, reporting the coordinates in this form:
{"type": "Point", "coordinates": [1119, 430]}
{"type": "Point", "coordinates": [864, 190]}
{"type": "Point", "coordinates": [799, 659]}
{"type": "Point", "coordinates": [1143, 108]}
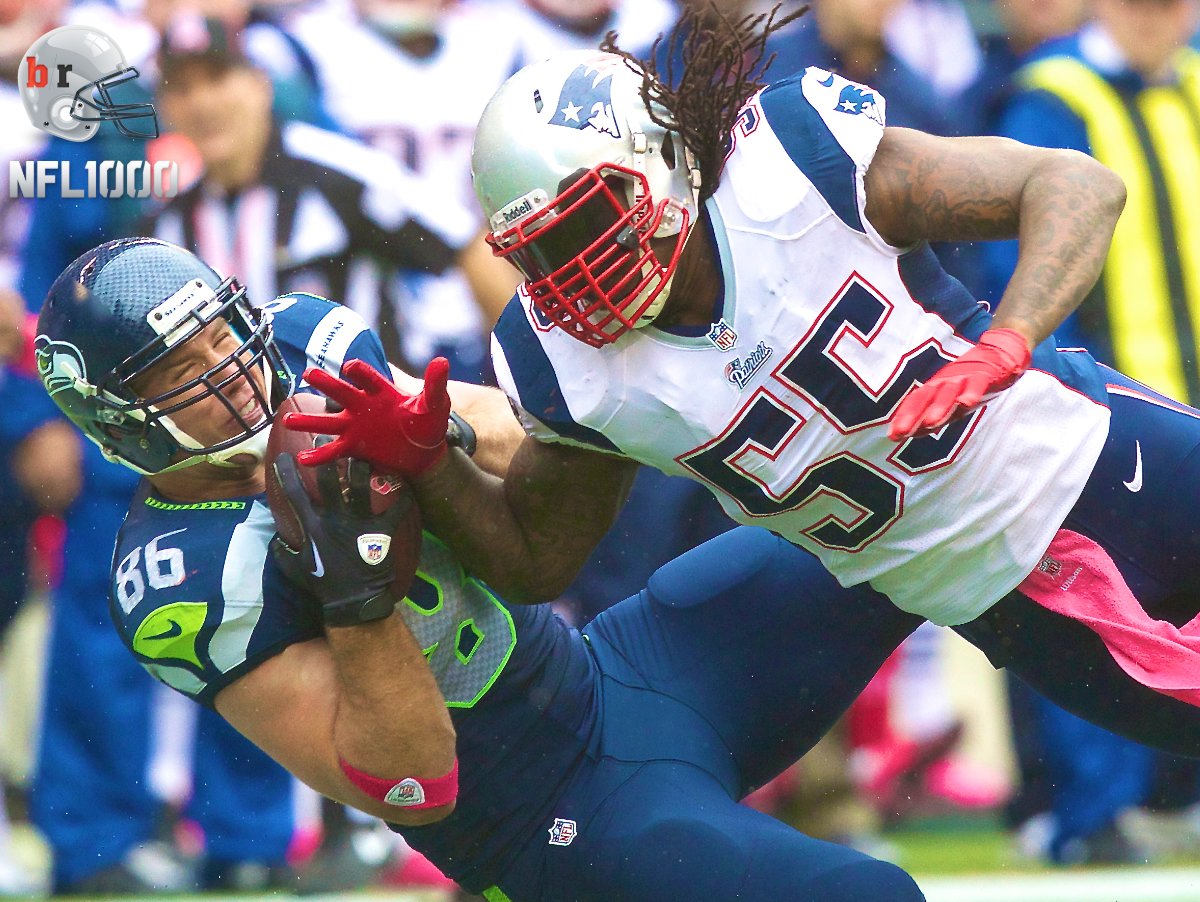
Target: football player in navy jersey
{"type": "Point", "coordinates": [527, 760]}
{"type": "Point", "coordinates": [734, 283]}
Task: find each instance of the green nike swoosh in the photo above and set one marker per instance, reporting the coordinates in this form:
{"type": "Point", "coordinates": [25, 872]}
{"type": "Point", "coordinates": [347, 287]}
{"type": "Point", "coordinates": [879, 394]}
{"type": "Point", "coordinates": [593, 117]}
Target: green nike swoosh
{"type": "Point", "coordinates": [175, 630]}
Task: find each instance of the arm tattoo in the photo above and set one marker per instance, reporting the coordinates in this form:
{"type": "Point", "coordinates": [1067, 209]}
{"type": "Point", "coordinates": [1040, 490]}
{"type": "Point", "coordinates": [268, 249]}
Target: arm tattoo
{"type": "Point", "coordinates": [1062, 206]}
{"type": "Point", "coordinates": [937, 194]}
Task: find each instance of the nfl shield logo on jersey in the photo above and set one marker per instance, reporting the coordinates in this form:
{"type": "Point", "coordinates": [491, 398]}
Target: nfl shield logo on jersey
{"type": "Point", "coordinates": [373, 547]}
{"type": "Point", "coordinates": [562, 833]}
{"type": "Point", "coordinates": [722, 336]}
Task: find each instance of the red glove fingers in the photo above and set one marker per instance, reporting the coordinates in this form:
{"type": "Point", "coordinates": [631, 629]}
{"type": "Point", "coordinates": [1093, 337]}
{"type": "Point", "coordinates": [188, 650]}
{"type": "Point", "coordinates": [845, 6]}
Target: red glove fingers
{"type": "Point", "coordinates": [993, 365]}
{"type": "Point", "coordinates": [360, 377]}
{"type": "Point", "coordinates": [398, 432]}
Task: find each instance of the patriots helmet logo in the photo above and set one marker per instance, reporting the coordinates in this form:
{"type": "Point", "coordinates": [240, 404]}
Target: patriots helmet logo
{"type": "Point", "coordinates": [586, 99]}
{"type": "Point", "coordinates": [858, 101]}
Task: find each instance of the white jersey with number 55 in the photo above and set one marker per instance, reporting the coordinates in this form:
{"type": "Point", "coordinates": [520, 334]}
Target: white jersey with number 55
{"type": "Point", "coordinates": [782, 408]}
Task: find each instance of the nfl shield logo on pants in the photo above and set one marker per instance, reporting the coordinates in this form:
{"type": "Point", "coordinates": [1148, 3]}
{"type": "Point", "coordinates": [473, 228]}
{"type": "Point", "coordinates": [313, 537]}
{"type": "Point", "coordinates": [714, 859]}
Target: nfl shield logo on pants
{"type": "Point", "coordinates": [562, 833]}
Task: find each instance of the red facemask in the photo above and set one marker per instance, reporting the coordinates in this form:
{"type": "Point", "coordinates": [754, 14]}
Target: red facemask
{"type": "Point", "coordinates": [587, 259]}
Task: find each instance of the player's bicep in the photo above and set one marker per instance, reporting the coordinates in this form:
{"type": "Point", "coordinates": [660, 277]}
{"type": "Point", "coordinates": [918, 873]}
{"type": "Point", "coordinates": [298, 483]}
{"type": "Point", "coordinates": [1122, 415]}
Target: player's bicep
{"type": "Point", "coordinates": [924, 187]}
{"type": "Point", "coordinates": [286, 706]}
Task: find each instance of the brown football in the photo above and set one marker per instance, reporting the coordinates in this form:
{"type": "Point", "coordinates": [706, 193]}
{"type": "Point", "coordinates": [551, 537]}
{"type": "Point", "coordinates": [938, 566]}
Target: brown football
{"type": "Point", "coordinates": [386, 490]}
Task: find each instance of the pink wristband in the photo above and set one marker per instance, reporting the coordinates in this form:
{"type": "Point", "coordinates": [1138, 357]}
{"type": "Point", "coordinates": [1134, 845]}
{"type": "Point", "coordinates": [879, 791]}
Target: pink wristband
{"type": "Point", "coordinates": [409, 792]}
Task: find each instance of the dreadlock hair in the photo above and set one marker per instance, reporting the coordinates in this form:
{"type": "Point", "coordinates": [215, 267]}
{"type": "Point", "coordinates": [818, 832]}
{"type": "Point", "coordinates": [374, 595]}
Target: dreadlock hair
{"type": "Point", "coordinates": [722, 68]}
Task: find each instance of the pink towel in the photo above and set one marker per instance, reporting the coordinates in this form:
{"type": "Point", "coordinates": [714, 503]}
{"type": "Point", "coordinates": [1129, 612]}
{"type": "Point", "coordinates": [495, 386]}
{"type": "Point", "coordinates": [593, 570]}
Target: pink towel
{"type": "Point", "coordinates": [1078, 579]}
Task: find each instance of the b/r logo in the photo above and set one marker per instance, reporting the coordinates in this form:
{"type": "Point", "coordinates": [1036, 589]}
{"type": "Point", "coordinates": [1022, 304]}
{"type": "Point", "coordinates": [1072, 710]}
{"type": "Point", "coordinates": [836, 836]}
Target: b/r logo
{"type": "Point", "coordinates": [66, 78]}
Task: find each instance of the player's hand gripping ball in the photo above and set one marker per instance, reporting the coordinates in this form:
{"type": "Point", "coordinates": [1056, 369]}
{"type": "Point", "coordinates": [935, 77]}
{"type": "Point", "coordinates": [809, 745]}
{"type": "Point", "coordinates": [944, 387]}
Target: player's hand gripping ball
{"type": "Point", "coordinates": [362, 505]}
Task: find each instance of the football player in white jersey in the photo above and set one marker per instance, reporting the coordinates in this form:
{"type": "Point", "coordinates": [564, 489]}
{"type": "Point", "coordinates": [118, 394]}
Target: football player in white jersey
{"type": "Point", "coordinates": [735, 284]}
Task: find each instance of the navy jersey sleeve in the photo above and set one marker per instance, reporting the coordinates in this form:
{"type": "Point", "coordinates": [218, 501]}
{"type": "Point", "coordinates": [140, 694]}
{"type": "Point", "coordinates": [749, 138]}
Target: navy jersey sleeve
{"type": "Point", "coordinates": [187, 591]}
{"type": "Point", "coordinates": [830, 128]}
{"type": "Point", "coordinates": [314, 332]}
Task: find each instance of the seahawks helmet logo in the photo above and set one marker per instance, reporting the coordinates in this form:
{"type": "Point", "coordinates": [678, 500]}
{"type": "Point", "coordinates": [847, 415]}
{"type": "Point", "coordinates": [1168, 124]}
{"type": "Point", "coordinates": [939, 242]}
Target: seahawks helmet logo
{"type": "Point", "coordinates": [60, 364]}
{"type": "Point", "coordinates": [586, 101]}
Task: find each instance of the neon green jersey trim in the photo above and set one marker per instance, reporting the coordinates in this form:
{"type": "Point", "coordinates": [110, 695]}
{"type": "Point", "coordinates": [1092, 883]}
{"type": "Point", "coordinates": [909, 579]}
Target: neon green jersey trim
{"type": "Point", "coordinates": [495, 894]}
{"type": "Point", "coordinates": [199, 506]}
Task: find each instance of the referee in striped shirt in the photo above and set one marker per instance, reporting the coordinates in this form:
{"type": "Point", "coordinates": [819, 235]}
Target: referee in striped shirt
{"type": "Point", "coordinates": [291, 207]}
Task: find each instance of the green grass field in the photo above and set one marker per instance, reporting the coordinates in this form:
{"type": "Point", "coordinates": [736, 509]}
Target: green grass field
{"type": "Point", "coordinates": [973, 863]}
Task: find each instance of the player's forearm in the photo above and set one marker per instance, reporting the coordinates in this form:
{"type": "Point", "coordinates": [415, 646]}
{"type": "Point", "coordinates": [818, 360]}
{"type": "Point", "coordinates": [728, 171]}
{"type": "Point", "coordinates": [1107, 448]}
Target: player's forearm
{"type": "Point", "coordinates": [1069, 210]}
{"type": "Point", "coordinates": [468, 509]}
{"type": "Point", "coordinates": [498, 433]}
{"type": "Point", "coordinates": [527, 536]}
{"type": "Point", "coordinates": [391, 719]}
{"type": "Point", "coordinates": [1062, 205]}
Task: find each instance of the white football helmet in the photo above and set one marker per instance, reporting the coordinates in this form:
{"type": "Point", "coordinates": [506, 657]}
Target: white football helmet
{"type": "Point", "coordinates": [65, 80]}
{"type": "Point", "coordinates": [576, 180]}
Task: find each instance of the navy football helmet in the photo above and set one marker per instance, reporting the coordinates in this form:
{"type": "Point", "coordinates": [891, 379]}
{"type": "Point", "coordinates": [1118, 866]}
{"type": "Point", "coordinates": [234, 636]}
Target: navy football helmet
{"type": "Point", "coordinates": [121, 308]}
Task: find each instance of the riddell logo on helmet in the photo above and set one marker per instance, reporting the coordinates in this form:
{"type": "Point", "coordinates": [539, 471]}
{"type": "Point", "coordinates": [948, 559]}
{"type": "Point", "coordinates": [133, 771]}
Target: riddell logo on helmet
{"type": "Point", "coordinates": [67, 78]}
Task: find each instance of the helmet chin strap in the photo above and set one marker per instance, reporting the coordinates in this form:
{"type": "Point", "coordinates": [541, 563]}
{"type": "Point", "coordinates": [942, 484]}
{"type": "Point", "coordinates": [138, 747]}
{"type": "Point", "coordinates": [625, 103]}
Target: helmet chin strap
{"type": "Point", "coordinates": [255, 446]}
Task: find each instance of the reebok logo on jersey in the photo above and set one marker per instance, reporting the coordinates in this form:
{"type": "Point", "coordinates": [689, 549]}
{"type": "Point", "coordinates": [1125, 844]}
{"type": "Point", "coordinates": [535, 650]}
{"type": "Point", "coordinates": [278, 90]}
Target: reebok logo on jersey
{"type": "Point", "coordinates": [563, 832]}
{"type": "Point", "coordinates": [740, 372]}
{"type": "Point", "coordinates": [1135, 484]}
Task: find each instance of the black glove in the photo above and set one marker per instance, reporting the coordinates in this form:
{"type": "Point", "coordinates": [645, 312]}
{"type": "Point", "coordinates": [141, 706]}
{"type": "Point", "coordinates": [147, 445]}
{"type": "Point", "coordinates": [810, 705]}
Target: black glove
{"type": "Point", "coordinates": [332, 563]}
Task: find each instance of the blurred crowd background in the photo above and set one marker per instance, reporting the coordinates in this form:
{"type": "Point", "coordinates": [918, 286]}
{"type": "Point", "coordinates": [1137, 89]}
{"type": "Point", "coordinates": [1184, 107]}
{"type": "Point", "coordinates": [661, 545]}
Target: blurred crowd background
{"type": "Point", "coordinates": [322, 146]}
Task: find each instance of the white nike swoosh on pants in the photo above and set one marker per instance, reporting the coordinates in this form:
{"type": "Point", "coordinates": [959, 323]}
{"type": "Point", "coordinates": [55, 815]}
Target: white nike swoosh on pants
{"type": "Point", "coordinates": [1135, 484]}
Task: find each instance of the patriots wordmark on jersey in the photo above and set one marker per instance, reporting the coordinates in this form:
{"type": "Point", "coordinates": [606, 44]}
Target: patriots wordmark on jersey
{"type": "Point", "coordinates": [782, 409]}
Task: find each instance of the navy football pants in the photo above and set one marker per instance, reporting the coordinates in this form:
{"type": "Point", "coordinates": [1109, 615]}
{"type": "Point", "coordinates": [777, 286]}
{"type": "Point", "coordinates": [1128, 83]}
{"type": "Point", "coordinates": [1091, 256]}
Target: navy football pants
{"type": "Point", "coordinates": [731, 664]}
{"type": "Point", "coordinates": [1153, 535]}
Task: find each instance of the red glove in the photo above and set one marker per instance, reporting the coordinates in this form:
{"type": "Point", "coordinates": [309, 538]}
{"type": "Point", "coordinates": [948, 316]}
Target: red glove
{"type": "Point", "coordinates": [994, 364]}
{"type": "Point", "coordinates": [400, 433]}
